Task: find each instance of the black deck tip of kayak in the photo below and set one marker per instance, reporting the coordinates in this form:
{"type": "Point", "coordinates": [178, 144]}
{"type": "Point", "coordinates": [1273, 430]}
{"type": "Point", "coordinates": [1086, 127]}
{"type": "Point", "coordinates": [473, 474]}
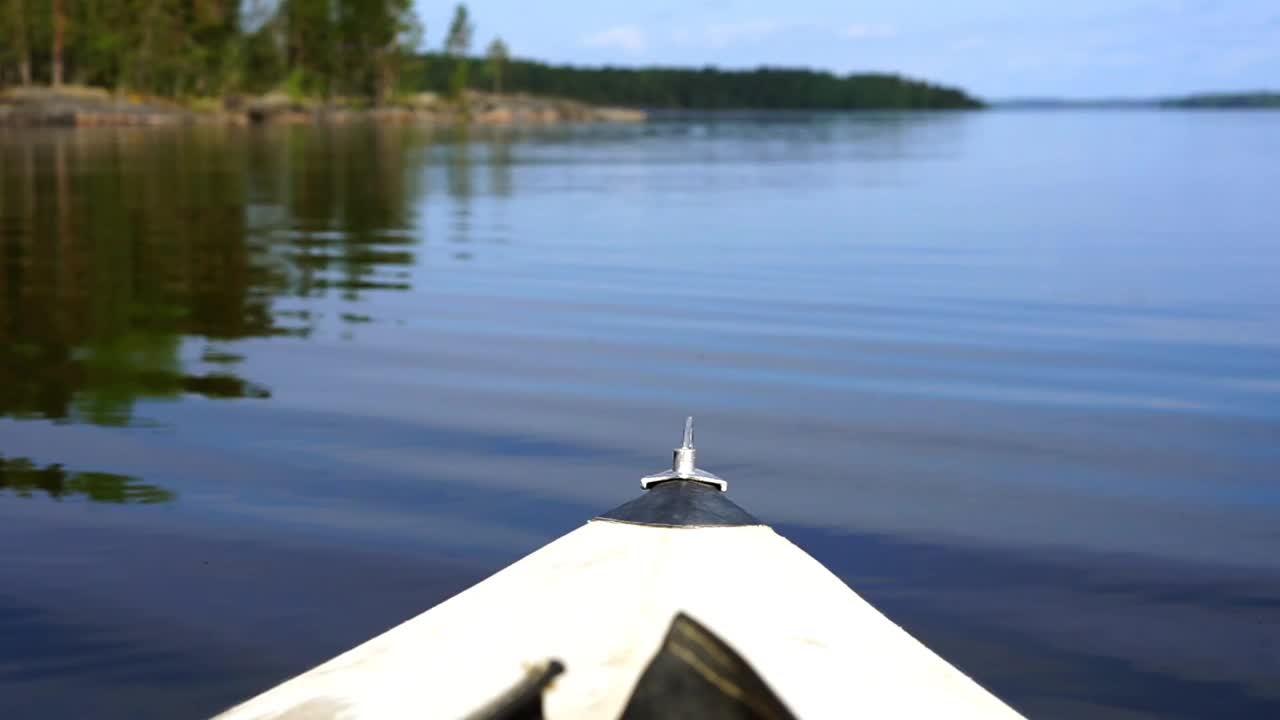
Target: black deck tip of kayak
{"type": "Point", "coordinates": [681, 503]}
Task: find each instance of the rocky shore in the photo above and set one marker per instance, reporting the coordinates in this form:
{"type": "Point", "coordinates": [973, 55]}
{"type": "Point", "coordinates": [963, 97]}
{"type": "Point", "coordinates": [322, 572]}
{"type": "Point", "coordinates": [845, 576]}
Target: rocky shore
{"type": "Point", "coordinates": [90, 107]}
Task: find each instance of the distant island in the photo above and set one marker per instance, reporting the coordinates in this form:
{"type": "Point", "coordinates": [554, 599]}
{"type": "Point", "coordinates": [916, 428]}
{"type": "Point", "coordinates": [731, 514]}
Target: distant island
{"type": "Point", "coordinates": [1250, 100]}
{"type": "Point", "coordinates": [1226, 100]}
{"type": "Point", "coordinates": [106, 62]}
{"type": "Point", "coordinates": [1050, 103]}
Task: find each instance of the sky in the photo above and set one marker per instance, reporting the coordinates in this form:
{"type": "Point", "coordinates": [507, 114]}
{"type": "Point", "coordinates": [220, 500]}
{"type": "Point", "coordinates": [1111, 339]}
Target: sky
{"type": "Point", "coordinates": [993, 48]}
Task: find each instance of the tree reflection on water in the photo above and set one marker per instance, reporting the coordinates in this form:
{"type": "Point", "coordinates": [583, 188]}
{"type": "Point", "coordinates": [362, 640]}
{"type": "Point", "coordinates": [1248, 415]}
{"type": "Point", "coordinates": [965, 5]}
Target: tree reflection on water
{"type": "Point", "coordinates": [25, 479]}
{"type": "Point", "coordinates": [121, 248]}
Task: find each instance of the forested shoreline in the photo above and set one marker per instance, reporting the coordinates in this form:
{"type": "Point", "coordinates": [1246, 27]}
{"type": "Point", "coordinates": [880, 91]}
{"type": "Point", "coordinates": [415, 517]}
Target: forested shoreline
{"type": "Point", "coordinates": [372, 52]}
{"type": "Point", "coordinates": [705, 88]}
{"type": "Point", "coordinates": [211, 48]}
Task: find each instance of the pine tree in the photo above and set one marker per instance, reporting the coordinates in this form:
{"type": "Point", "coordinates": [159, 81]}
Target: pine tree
{"type": "Point", "coordinates": [498, 55]}
{"type": "Point", "coordinates": [457, 44]}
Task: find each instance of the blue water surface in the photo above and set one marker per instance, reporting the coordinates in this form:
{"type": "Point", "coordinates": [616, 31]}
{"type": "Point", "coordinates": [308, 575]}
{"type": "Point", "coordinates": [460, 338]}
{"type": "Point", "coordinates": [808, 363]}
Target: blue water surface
{"type": "Point", "coordinates": [1013, 375]}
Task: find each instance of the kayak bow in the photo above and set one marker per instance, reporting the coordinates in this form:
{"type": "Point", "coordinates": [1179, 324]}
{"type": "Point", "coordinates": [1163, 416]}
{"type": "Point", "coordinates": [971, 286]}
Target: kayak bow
{"type": "Point", "coordinates": [676, 604]}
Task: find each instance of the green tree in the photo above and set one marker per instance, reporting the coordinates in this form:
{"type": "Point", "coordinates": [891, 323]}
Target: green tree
{"type": "Point", "coordinates": [59, 36]}
{"type": "Point", "coordinates": [498, 55]}
{"type": "Point", "coordinates": [153, 61]}
{"type": "Point", "coordinates": [456, 45]}
{"type": "Point", "coordinates": [19, 38]}
{"type": "Point", "coordinates": [370, 36]}
{"type": "Point", "coordinates": [310, 43]}
{"type": "Point", "coordinates": [105, 35]}
{"type": "Point", "coordinates": [216, 45]}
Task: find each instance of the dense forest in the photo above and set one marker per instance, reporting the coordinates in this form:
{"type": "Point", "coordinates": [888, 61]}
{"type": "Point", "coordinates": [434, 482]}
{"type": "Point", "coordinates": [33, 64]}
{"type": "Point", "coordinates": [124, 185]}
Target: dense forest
{"type": "Point", "coordinates": [185, 48]}
{"type": "Point", "coordinates": [705, 88]}
{"type": "Point", "coordinates": [371, 50]}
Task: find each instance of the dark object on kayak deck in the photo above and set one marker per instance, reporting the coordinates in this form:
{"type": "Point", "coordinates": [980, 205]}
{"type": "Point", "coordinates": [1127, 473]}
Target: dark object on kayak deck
{"type": "Point", "coordinates": [524, 701]}
{"type": "Point", "coordinates": [696, 676]}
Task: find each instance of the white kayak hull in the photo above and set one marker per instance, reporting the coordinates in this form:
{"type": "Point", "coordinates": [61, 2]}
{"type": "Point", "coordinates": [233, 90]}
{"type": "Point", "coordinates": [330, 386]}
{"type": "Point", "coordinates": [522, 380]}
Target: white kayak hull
{"type": "Point", "coordinates": [600, 600]}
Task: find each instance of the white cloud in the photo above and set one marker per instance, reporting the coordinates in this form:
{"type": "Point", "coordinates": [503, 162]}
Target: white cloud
{"type": "Point", "coordinates": [723, 34]}
{"type": "Point", "coordinates": [864, 31]}
{"type": "Point", "coordinates": [627, 38]}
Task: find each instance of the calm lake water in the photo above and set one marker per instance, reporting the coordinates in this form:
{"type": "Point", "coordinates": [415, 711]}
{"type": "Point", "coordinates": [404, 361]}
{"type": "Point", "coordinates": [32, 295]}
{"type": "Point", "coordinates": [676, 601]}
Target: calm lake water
{"type": "Point", "coordinates": [1014, 376]}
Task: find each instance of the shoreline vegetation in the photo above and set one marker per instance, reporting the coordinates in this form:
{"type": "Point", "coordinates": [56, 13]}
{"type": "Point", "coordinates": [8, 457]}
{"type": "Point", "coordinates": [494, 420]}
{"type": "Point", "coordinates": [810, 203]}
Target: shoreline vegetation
{"type": "Point", "coordinates": [151, 62]}
{"type": "Point", "coordinates": [80, 106]}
